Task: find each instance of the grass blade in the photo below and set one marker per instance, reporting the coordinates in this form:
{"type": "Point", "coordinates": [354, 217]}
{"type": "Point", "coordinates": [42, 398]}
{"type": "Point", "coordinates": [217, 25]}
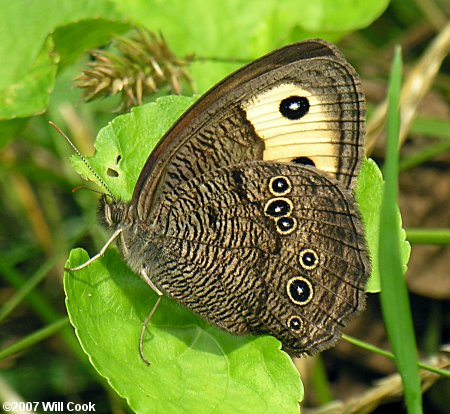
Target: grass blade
{"type": "Point", "coordinates": [394, 295]}
{"type": "Point", "coordinates": [34, 338]}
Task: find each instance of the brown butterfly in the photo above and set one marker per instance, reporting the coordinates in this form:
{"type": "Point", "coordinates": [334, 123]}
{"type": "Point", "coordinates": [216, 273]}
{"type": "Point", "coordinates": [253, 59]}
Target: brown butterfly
{"type": "Point", "coordinates": [245, 213]}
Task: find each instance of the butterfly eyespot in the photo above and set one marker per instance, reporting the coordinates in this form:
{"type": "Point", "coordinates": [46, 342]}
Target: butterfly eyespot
{"type": "Point", "coordinates": [280, 185]}
{"type": "Point", "coordinates": [309, 259]}
{"type": "Point", "coordinates": [294, 107]}
{"type": "Point", "coordinates": [278, 207]}
{"type": "Point", "coordinates": [304, 161]}
{"type": "Point", "coordinates": [286, 225]}
{"type": "Point", "coordinates": [300, 290]}
{"type": "Point", "coordinates": [294, 323]}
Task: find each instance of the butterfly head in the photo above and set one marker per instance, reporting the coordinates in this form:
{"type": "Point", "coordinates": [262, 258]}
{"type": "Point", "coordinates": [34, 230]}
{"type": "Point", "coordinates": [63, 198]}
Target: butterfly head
{"type": "Point", "coordinates": [113, 213]}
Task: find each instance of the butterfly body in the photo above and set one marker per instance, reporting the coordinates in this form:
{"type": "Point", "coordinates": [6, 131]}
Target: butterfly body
{"type": "Point", "coordinates": [245, 213]}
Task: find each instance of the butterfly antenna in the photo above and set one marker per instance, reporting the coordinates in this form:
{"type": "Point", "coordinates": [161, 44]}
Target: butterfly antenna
{"type": "Point", "coordinates": [100, 180]}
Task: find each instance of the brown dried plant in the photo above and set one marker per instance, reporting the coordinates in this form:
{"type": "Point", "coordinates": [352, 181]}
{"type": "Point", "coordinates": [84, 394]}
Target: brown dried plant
{"type": "Point", "coordinates": [136, 67]}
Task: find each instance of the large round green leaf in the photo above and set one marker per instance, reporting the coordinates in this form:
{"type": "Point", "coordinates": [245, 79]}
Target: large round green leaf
{"type": "Point", "coordinates": [194, 367]}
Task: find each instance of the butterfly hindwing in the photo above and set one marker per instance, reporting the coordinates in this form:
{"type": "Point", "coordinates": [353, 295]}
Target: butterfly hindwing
{"type": "Point", "coordinates": [264, 248]}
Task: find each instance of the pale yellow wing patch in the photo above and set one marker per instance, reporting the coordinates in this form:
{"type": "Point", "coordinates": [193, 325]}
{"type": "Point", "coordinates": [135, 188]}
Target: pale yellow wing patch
{"type": "Point", "coordinates": [312, 136]}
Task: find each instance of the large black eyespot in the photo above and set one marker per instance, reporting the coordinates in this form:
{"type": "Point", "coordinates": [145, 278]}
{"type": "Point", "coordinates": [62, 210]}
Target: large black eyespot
{"type": "Point", "coordinates": [294, 323]}
{"type": "Point", "coordinates": [286, 225]}
{"type": "Point", "coordinates": [304, 161]}
{"type": "Point", "coordinates": [300, 290]}
{"type": "Point", "coordinates": [278, 207]}
{"type": "Point", "coordinates": [294, 107]}
{"type": "Point", "coordinates": [309, 259]}
{"type": "Point", "coordinates": [280, 185]}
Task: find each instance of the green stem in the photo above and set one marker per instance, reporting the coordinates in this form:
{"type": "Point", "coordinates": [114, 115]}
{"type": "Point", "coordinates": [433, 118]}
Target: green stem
{"type": "Point", "coordinates": [390, 355]}
{"type": "Point", "coordinates": [27, 287]}
{"type": "Point", "coordinates": [40, 304]}
{"type": "Point", "coordinates": [320, 384]}
{"type": "Point", "coordinates": [34, 338]}
{"type": "Point", "coordinates": [424, 155]}
{"type": "Point", "coordinates": [428, 236]}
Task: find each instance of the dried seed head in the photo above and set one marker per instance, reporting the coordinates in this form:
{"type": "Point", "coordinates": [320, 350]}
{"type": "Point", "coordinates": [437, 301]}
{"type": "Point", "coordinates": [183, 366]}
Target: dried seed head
{"type": "Point", "coordinates": [139, 66]}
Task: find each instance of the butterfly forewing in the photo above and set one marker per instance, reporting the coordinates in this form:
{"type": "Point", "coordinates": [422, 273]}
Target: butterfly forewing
{"type": "Point", "coordinates": [253, 115]}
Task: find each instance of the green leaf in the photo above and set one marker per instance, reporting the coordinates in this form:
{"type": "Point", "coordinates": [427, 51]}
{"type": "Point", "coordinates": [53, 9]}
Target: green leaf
{"type": "Point", "coordinates": [194, 367]}
{"type": "Point", "coordinates": [75, 26]}
{"type": "Point", "coordinates": [394, 295]}
{"type": "Point", "coordinates": [245, 29]}
{"type": "Point", "coordinates": [125, 144]}
{"type": "Point", "coordinates": [27, 45]}
{"type": "Point", "coordinates": [205, 367]}
{"type": "Point", "coordinates": [71, 40]}
{"type": "Point", "coordinates": [369, 194]}
{"type": "Point", "coordinates": [30, 95]}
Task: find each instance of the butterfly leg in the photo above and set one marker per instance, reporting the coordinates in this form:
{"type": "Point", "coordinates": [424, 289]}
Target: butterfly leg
{"type": "Point", "coordinates": [147, 319]}
{"type": "Point", "coordinates": [98, 255]}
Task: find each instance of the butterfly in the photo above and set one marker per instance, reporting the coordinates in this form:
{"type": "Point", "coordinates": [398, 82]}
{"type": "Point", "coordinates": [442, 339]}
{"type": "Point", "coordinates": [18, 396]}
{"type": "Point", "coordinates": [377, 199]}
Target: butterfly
{"type": "Point", "coordinates": [245, 213]}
